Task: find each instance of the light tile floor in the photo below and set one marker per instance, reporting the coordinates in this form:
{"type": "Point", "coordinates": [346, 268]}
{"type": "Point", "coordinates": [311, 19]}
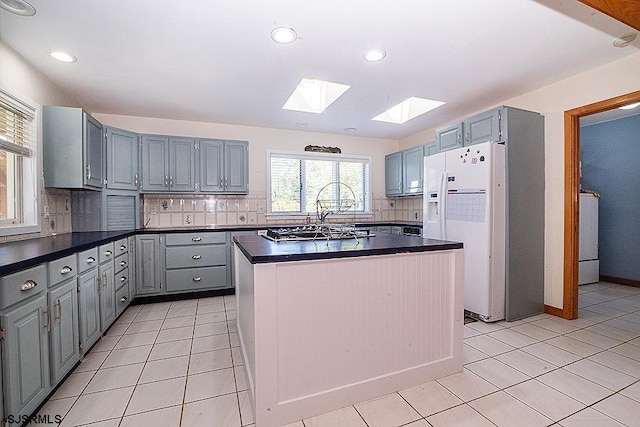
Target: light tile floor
{"type": "Point", "coordinates": [178, 364]}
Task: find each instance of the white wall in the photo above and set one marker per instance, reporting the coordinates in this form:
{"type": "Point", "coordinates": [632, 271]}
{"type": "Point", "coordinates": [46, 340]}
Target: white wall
{"type": "Point", "coordinates": [261, 140]}
{"type": "Point", "coordinates": [614, 79]}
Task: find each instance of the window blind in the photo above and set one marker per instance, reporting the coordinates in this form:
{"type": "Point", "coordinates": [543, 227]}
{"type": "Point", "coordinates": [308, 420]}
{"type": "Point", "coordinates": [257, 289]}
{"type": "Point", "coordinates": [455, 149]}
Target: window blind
{"type": "Point", "coordinates": [16, 132]}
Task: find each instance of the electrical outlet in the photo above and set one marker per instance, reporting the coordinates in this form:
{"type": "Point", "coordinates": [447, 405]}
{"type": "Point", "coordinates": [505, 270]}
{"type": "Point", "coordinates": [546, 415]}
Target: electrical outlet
{"type": "Point", "coordinates": [154, 210]}
{"type": "Point", "coordinates": [46, 211]}
{"type": "Point", "coordinates": [415, 216]}
{"type": "Point", "coordinates": [260, 209]}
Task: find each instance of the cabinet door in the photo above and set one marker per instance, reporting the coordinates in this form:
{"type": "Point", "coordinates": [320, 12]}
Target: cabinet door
{"type": "Point", "coordinates": [25, 361]}
{"type": "Point", "coordinates": [412, 170]}
{"type": "Point", "coordinates": [236, 166]}
{"type": "Point", "coordinates": [430, 148]}
{"type": "Point", "coordinates": [393, 174]}
{"type": "Point", "coordinates": [122, 159]}
{"type": "Point", "coordinates": [148, 268]}
{"type": "Point", "coordinates": [64, 338]}
{"type": "Point", "coordinates": [155, 164]}
{"type": "Point", "coordinates": [449, 137]}
{"type": "Point", "coordinates": [482, 128]}
{"type": "Point", "coordinates": [107, 295]}
{"type": "Point", "coordinates": [93, 176]}
{"type": "Point", "coordinates": [211, 165]}
{"type": "Point", "coordinates": [132, 267]}
{"type": "Point", "coordinates": [88, 308]}
{"type": "Point", "coordinates": [182, 160]}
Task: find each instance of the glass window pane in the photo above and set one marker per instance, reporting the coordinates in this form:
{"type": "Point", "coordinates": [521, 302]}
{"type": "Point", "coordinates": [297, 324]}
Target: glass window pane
{"type": "Point", "coordinates": [9, 186]}
{"type": "Point", "coordinates": [285, 185]}
{"type": "Point", "coordinates": [317, 174]}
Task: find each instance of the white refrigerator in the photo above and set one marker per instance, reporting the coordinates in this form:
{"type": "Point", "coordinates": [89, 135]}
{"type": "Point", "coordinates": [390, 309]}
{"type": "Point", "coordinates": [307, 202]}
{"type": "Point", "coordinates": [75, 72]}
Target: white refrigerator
{"type": "Point", "coordinates": [464, 201]}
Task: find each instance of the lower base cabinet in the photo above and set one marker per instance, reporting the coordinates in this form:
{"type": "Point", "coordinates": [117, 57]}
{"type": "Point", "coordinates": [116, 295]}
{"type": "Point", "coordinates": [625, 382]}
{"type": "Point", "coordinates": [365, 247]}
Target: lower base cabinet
{"type": "Point", "coordinates": [25, 358]}
{"type": "Point", "coordinates": [107, 296]}
{"type": "Point", "coordinates": [64, 337]}
{"type": "Point", "coordinates": [88, 309]}
{"type": "Point", "coordinates": [122, 299]}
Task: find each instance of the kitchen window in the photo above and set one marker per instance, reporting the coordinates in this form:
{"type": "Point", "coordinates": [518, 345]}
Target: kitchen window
{"type": "Point", "coordinates": [18, 170]}
{"type": "Point", "coordinates": [307, 183]}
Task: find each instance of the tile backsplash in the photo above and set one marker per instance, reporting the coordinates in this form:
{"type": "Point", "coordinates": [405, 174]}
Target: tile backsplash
{"type": "Point", "coordinates": [181, 210]}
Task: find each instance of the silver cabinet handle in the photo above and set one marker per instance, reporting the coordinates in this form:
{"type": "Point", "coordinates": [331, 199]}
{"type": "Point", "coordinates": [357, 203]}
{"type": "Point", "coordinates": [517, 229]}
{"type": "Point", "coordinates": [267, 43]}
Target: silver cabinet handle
{"type": "Point", "coordinates": [47, 319]}
{"type": "Point", "coordinates": [123, 248]}
{"type": "Point", "coordinates": [28, 285]}
{"type": "Point", "coordinates": [226, 183]}
{"type": "Point", "coordinates": [123, 279]}
{"type": "Point", "coordinates": [66, 270]}
{"type": "Point", "coordinates": [166, 181]}
{"type": "Point", "coordinates": [123, 263]}
{"type": "Point", "coordinates": [196, 239]}
{"type": "Point", "coordinates": [135, 180]}
{"type": "Point", "coordinates": [197, 279]}
{"type": "Point", "coordinates": [104, 280]}
{"type": "Point", "coordinates": [108, 253]}
{"type": "Point", "coordinates": [196, 257]}
{"type": "Point", "coordinates": [123, 299]}
{"type": "Point", "coordinates": [91, 260]}
{"type": "Point", "coordinates": [221, 183]}
{"type": "Point", "coordinates": [59, 310]}
{"type": "Point", "coordinates": [170, 181]}
{"type": "Point", "coordinates": [88, 171]}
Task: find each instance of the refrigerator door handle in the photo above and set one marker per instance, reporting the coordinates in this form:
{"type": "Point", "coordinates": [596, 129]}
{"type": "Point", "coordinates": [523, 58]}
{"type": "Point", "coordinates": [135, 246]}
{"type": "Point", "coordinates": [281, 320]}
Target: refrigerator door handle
{"type": "Point", "coordinates": [442, 215]}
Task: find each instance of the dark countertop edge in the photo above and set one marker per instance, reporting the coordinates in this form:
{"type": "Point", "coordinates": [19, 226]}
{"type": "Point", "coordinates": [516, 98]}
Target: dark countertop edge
{"type": "Point", "coordinates": [265, 259]}
{"type": "Point", "coordinates": [155, 230]}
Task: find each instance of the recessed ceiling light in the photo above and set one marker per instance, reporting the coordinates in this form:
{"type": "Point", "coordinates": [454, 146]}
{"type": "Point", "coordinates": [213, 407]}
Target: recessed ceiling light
{"type": "Point", "coordinates": [313, 96]}
{"type": "Point", "coordinates": [284, 35]}
{"type": "Point", "coordinates": [63, 56]}
{"type": "Point", "coordinates": [19, 7]}
{"type": "Point", "coordinates": [350, 129]}
{"type": "Point", "coordinates": [625, 40]}
{"type": "Point", "coordinates": [407, 110]}
{"type": "Point", "coordinates": [630, 106]}
{"type": "Point", "coordinates": [302, 125]}
{"type": "Point", "coordinates": [375, 55]}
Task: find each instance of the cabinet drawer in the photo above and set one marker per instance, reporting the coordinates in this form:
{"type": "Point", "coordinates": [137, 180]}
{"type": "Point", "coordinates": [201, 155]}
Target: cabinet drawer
{"type": "Point", "coordinates": [23, 284]}
{"type": "Point", "coordinates": [121, 246]}
{"type": "Point", "coordinates": [62, 269]}
{"type": "Point", "coordinates": [121, 261]}
{"type": "Point", "coordinates": [195, 256]}
{"type": "Point", "coordinates": [105, 252]}
{"type": "Point", "coordinates": [87, 259]}
{"type": "Point", "coordinates": [122, 278]}
{"type": "Point", "coordinates": [122, 299]}
{"type": "Point", "coordinates": [174, 239]}
{"type": "Point", "coordinates": [194, 279]}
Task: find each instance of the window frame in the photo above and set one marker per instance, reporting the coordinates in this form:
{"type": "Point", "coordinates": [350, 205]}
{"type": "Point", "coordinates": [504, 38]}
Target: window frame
{"type": "Point", "coordinates": [368, 208]}
{"type": "Point", "coordinates": [30, 169]}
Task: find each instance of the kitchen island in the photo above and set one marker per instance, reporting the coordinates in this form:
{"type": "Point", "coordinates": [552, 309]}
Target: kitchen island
{"type": "Point", "coordinates": [328, 323]}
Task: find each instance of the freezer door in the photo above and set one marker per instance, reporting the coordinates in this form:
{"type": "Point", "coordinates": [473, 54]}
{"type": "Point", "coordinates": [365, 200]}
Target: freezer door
{"type": "Point", "coordinates": [475, 216]}
{"type": "Point", "coordinates": [434, 173]}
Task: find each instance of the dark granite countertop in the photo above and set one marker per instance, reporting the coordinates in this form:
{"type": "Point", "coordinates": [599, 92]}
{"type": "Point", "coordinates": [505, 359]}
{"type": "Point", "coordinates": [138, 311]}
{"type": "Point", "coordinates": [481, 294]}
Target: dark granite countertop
{"type": "Point", "coordinates": [259, 250]}
{"type": "Point", "coordinates": [15, 256]}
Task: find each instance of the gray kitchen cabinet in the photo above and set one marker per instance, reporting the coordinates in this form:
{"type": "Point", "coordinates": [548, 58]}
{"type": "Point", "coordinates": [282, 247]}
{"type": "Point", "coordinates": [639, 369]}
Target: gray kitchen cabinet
{"type": "Point", "coordinates": [393, 174]}
{"type": "Point", "coordinates": [230, 261]}
{"type": "Point", "coordinates": [122, 159]}
{"type": "Point", "coordinates": [73, 149]}
{"type": "Point", "coordinates": [107, 290]}
{"type": "Point", "coordinates": [430, 148]}
{"type": "Point", "coordinates": [64, 338]}
{"type": "Point", "coordinates": [168, 164]}
{"type": "Point", "coordinates": [132, 267]}
{"type": "Point", "coordinates": [88, 299]}
{"type": "Point", "coordinates": [412, 170]}
{"type": "Point", "coordinates": [105, 211]}
{"type": "Point", "coordinates": [25, 361]}
{"type": "Point", "coordinates": [149, 265]}
{"type": "Point", "coordinates": [223, 166]}
{"type": "Point", "coordinates": [483, 127]}
{"type": "Point", "coordinates": [449, 137]}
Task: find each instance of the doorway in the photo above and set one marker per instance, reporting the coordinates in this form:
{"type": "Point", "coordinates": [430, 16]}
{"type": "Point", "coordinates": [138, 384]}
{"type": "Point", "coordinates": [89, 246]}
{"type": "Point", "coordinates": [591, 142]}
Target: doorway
{"type": "Point", "coordinates": [572, 195]}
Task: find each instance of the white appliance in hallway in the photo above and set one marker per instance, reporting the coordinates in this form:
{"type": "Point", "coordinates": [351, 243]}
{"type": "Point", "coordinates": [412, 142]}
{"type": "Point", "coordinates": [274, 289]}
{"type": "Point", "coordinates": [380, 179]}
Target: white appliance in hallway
{"type": "Point", "coordinates": [588, 263]}
{"type": "Point", "coordinates": [464, 200]}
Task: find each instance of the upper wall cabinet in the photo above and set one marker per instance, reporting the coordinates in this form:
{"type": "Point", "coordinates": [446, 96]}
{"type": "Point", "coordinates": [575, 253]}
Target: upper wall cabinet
{"type": "Point", "coordinates": [449, 137]}
{"type": "Point", "coordinates": [122, 159]}
{"type": "Point", "coordinates": [168, 164]}
{"type": "Point", "coordinates": [483, 127]}
{"type": "Point", "coordinates": [393, 174]}
{"type": "Point", "coordinates": [412, 170]}
{"type": "Point", "coordinates": [72, 149]}
{"type": "Point", "coordinates": [224, 166]}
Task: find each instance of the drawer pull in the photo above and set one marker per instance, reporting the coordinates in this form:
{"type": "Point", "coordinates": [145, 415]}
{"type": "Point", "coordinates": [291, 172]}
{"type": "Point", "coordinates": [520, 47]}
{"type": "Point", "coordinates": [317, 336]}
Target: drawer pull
{"type": "Point", "coordinates": [123, 299]}
{"type": "Point", "coordinates": [196, 257]}
{"type": "Point", "coordinates": [66, 270]}
{"type": "Point", "coordinates": [197, 279]}
{"type": "Point", "coordinates": [91, 260]}
{"type": "Point", "coordinates": [123, 263]}
{"type": "Point", "coordinates": [108, 253]}
{"type": "Point", "coordinates": [28, 285]}
{"type": "Point", "coordinates": [59, 310]}
{"type": "Point", "coordinates": [123, 279]}
{"type": "Point", "coordinates": [196, 239]}
{"type": "Point", "coordinates": [123, 248]}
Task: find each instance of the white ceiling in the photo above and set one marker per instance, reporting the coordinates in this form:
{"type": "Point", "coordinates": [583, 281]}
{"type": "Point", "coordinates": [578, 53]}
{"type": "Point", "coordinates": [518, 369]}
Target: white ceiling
{"type": "Point", "coordinates": [214, 61]}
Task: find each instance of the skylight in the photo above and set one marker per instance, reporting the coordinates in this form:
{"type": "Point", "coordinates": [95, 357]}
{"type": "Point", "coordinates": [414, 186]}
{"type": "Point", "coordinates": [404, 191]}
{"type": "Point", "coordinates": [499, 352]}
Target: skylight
{"type": "Point", "coordinates": [407, 110]}
{"type": "Point", "coordinates": [314, 96]}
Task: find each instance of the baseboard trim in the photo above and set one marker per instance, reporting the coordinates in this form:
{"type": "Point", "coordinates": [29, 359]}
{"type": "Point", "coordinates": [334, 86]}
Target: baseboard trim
{"type": "Point", "coordinates": [620, 281]}
{"type": "Point", "coordinates": [554, 311]}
